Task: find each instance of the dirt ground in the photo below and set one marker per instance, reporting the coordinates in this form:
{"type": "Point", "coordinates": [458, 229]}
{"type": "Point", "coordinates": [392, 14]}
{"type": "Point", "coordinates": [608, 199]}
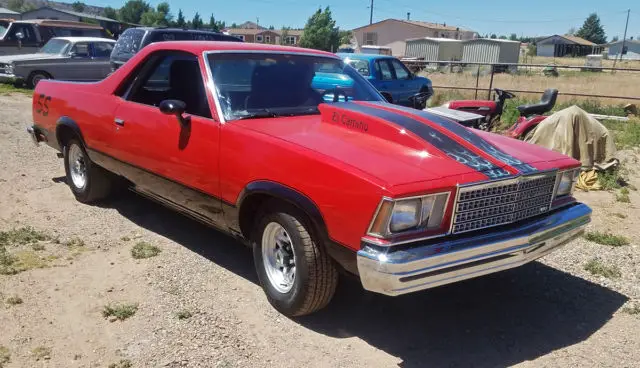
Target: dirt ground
{"type": "Point", "coordinates": [548, 313]}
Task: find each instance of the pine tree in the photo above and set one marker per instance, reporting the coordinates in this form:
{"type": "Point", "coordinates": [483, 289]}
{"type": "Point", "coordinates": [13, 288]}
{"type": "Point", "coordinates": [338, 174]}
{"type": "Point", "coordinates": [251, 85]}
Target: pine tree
{"type": "Point", "coordinates": [592, 30]}
{"type": "Point", "coordinates": [180, 22]}
{"type": "Point", "coordinates": [196, 23]}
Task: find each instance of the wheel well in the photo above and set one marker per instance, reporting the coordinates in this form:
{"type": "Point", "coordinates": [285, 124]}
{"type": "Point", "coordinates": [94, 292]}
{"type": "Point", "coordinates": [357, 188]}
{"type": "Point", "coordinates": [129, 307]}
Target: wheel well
{"type": "Point", "coordinates": [253, 204]}
{"type": "Point", "coordinates": [64, 134]}
{"type": "Point", "coordinates": [40, 72]}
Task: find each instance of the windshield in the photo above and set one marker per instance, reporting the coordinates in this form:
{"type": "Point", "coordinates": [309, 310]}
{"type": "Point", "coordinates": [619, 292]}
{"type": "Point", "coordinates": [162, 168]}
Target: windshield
{"type": "Point", "coordinates": [55, 46]}
{"type": "Point", "coordinates": [267, 85]}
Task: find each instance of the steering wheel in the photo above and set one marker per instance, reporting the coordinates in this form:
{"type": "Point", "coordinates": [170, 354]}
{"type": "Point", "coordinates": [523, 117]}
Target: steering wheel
{"type": "Point", "coordinates": [363, 71]}
{"type": "Point", "coordinates": [336, 92]}
{"type": "Point", "coordinates": [504, 94]}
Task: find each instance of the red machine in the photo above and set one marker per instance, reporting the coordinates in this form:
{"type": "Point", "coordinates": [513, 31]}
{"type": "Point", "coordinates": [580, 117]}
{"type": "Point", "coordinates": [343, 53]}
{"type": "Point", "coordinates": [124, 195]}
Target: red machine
{"type": "Point", "coordinates": [530, 115]}
{"type": "Point", "coordinates": [404, 199]}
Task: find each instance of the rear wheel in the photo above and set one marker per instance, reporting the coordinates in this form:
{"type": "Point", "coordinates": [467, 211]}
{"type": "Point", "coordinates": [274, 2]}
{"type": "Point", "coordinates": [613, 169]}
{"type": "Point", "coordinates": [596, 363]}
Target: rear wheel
{"type": "Point", "coordinates": [35, 77]}
{"type": "Point", "coordinates": [295, 272]}
{"type": "Point", "coordinates": [88, 182]}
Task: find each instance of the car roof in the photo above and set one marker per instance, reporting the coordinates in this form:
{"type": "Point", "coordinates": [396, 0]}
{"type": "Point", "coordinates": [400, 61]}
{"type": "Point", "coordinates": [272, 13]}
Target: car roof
{"type": "Point", "coordinates": [85, 39]}
{"type": "Point", "coordinates": [176, 30]}
{"type": "Point", "coordinates": [345, 55]}
{"type": "Point", "coordinates": [198, 47]}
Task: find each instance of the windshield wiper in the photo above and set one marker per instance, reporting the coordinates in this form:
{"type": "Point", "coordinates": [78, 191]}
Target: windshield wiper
{"type": "Point", "coordinates": [258, 114]}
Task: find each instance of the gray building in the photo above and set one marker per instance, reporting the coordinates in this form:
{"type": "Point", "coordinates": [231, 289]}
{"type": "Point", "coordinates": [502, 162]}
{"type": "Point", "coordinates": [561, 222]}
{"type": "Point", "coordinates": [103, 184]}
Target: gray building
{"type": "Point", "coordinates": [434, 49]}
{"type": "Point", "coordinates": [493, 51]}
{"type": "Point", "coordinates": [631, 49]}
{"type": "Point", "coordinates": [47, 12]}
{"type": "Point", "coordinates": [8, 14]}
{"type": "Point", "coordinates": [559, 46]}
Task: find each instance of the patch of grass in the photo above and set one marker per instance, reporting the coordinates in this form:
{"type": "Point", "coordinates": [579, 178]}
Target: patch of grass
{"type": "Point", "coordinates": [119, 311]}
{"type": "Point", "coordinates": [14, 300]}
{"type": "Point", "coordinates": [144, 250]}
{"type": "Point", "coordinates": [620, 215]}
{"type": "Point", "coordinates": [625, 133]}
{"type": "Point", "coordinates": [606, 239]}
{"type": "Point", "coordinates": [125, 238]}
{"type": "Point", "coordinates": [6, 262]}
{"type": "Point", "coordinates": [184, 314]}
{"type": "Point", "coordinates": [38, 247]}
{"type": "Point", "coordinates": [123, 363]}
{"type": "Point", "coordinates": [6, 89]}
{"type": "Point", "coordinates": [5, 356]}
{"type": "Point", "coordinates": [22, 236]}
{"type": "Point", "coordinates": [611, 179]}
{"type": "Point", "coordinates": [623, 196]}
{"type": "Point", "coordinates": [74, 243]}
{"type": "Point", "coordinates": [633, 310]}
{"type": "Point", "coordinates": [42, 353]}
{"type": "Point", "coordinates": [597, 268]}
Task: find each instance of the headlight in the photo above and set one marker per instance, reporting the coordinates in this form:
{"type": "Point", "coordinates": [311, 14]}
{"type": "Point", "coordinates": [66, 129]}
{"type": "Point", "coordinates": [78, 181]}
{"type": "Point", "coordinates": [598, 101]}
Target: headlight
{"type": "Point", "coordinates": [8, 68]}
{"type": "Point", "coordinates": [565, 182]}
{"type": "Point", "coordinates": [397, 217]}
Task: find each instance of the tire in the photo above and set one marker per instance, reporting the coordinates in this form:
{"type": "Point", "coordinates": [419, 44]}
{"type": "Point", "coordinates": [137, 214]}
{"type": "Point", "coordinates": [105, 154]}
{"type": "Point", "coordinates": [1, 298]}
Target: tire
{"type": "Point", "coordinates": [36, 77]}
{"type": "Point", "coordinates": [315, 276]}
{"type": "Point", "coordinates": [88, 181]}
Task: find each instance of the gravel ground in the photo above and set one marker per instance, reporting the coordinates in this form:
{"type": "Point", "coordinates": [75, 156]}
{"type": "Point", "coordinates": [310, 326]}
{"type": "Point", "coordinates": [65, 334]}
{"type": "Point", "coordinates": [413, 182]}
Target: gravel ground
{"type": "Point", "coordinates": [548, 313]}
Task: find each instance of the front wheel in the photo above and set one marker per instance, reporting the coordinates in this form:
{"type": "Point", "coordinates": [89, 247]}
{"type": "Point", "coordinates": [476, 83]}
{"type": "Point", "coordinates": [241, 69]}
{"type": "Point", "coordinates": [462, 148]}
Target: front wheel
{"type": "Point", "coordinates": [88, 182]}
{"type": "Point", "coordinates": [295, 272]}
{"type": "Point", "coordinates": [36, 77]}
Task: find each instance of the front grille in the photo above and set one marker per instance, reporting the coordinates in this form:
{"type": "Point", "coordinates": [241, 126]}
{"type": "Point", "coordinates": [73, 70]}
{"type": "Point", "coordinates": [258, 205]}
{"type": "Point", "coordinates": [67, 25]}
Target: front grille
{"type": "Point", "coordinates": [502, 202]}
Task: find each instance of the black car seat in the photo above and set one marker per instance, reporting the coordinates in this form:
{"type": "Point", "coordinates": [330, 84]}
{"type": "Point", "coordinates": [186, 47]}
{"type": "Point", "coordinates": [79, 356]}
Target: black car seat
{"type": "Point", "coordinates": [187, 86]}
{"type": "Point", "coordinates": [546, 103]}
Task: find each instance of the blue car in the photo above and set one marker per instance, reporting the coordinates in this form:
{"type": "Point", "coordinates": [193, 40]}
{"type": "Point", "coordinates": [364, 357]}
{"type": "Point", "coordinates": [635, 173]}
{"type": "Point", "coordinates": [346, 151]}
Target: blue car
{"type": "Point", "coordinates": [390, 76]}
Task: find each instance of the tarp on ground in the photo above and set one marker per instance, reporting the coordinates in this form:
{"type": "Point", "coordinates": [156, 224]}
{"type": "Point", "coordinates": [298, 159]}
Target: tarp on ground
{"type": "Point", "coordinates": [573, 132]}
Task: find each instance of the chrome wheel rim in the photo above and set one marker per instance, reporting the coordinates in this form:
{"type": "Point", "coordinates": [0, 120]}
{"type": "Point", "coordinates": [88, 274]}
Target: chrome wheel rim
{"type": "Point", "coordinates": [278, 257]}
{"type": "Point", "coordinates": [77, 166]}
{"type": "Point", "coordinates": [37, 78]}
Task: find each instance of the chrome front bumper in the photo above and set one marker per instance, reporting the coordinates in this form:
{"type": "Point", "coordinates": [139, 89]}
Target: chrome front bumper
{"type": "Point", "coordinates": [394, 272]}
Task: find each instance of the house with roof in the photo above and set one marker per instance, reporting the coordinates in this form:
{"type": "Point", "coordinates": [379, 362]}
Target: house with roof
{"type": "Point", "coordinates": [394, 32]}
{"type": "Point", "coordinates": [47, 12]}
{"type": "Point", "coordinates": [8, 14]}
{"type": "Point", "coordinates": [559, 46]}
{"type": "Point", "coordinates": [264, 35]}
{"type": "Point", "coordinates": [630, 50]}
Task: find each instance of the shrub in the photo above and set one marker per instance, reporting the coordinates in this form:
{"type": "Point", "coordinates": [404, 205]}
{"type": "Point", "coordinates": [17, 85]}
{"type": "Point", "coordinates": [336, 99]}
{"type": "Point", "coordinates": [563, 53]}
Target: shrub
{"type": "Point", "coordinates": [606, 239]}
{"type": "Point", "coordinates": [144, 250]}
{"type": "Point", "coordinates": [597, 268]}
{"type": "Point", "coordinates": [119, 311]}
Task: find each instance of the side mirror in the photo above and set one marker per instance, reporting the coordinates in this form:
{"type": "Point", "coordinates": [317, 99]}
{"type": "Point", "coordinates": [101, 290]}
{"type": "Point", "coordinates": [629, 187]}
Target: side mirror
{"type": "Point", "coordinates": [387, 96]}
{"type": "Point", "coordinates": [176, 108]}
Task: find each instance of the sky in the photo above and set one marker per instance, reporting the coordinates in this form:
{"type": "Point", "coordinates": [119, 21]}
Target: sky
{"type": "Point", "coordinates": [533, 18]}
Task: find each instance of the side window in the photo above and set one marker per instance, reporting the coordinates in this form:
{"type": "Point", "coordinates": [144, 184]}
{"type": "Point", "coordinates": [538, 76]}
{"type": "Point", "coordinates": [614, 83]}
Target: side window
{"type": "Point", "coordinates": [102, 49]}
{"type": "Point", "coordinates": [173, 77]}
{"type": "Point", "coordinates": [81, 50]}
{"type": "Point", "coordinates": [385, 70]}
{"type": "Point", "coordinates": [400, 69]}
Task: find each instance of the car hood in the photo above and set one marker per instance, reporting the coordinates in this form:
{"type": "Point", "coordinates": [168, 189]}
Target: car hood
{"type": "Point", "coordinates": [26, 57]}
{"type": "Point", "coordinates": [401, 146]}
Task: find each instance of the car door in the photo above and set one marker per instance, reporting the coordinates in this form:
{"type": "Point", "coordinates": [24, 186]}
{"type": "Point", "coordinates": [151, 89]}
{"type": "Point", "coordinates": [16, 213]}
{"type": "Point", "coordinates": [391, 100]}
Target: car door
{"type": "Point", "coordinates": [404, 84]}
{"type": "Point", "coordinates": [384, 77]}
{"type": "Point", "coordinates": [75, 66]}
{"type": "Point", "coordinates": [100, 54]}
{"type": "Point", "coordinates": [171, 161]}
{"type": "Point", "coordinates": [20, 38]}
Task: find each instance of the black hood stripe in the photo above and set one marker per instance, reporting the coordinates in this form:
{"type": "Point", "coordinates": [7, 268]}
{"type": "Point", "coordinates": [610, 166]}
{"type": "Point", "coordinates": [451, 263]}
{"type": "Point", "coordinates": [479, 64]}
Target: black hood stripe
{"type": "Point", "coordinates": [437, 139]}
{"type": "Point", "coordinates": [469, 136]}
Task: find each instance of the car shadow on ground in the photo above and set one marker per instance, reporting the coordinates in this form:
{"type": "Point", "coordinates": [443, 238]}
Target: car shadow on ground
{"type": "Point", "coordinates": [496, 320]}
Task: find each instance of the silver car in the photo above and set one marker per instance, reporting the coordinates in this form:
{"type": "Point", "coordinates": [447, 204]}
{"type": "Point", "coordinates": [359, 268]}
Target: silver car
{"type": "Point", "coordinates": [81, 59]}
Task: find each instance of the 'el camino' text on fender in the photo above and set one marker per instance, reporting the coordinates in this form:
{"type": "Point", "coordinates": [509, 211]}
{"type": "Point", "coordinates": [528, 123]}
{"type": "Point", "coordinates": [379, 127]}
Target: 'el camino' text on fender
{"type": "Point", "coordinates": [317, 178]}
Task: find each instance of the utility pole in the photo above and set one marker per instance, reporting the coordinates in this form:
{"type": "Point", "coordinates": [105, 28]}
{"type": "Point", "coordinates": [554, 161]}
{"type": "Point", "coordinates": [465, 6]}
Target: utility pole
{"type": "Point", "coordinates": [624, 39]}
{"type": "Point", "coordinates": [371, 13]}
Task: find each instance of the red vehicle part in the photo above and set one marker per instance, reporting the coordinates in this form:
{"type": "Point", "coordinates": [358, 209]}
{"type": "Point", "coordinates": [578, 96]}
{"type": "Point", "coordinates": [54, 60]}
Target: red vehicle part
{"type": "Point", "coordinates": [480, 107]}
{"type": "Point", "coordinates": [524, 125]}
{"type": "Point", "coordinates": [331, 182]}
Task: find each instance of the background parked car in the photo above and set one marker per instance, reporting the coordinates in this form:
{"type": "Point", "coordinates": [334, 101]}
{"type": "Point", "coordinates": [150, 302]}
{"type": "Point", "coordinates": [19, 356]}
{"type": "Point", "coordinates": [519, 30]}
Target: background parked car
{"type": "Point", "coordinates": [67, 58]}
{"type": "Point", "coordinates": [390, 76]}
{"type": "Point", "coordinates": [133, 40]}
{"type": "Point", "coordinates": [27, 36]}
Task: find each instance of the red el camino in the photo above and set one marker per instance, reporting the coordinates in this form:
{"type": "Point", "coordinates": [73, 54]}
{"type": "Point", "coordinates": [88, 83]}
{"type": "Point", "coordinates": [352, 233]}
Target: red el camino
{"type": "Point", "coordinates": [317, 179]}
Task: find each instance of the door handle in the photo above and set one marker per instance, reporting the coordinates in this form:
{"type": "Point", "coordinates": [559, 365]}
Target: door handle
{"type": "Point", "coordinates": [119, 122]}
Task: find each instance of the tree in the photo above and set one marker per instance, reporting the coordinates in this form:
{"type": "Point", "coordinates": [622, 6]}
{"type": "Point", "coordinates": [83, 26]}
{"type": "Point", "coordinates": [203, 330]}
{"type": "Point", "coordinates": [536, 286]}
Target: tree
{"type": "Point", "coordinates": [321, 32]}
{"type": "Point", "coordinates": [615, 38]}
{"type": "Point", "coordinates": [272, 28]}
{"type": "Point", "coordinates": [110, 13]}
{"type": "Point", "coordinates": [502, 37]}
{"type": "Point", "coordinates": [234, 25]}
{"type": "Point", "coordinates": [216, 25]}
{"type": "Point", "coordinates": [513, 37]}
{"type": "Point", "coordinates": [592, 30]}
{"type": "Point", "coordinates": [78, 6]}
{"type": "Point", "coordinates": [571, 31]}
{"type": "Point", "coordinates": [345, 37]}
{"type": "Point", "coordinates": [197, 23]}
{"type": "Point", "coordinates": [160, 17]}
{"type": "Point", "coordinates": [132, 11]}
{"type": "Point", "coordinates": [284, 34]}
{"type": "Point", "coordinates": [180, 22]}
{"type": "Point", "coordinates": [15, 5]}
{"type": "Point", "coordinates": [494, 36]}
